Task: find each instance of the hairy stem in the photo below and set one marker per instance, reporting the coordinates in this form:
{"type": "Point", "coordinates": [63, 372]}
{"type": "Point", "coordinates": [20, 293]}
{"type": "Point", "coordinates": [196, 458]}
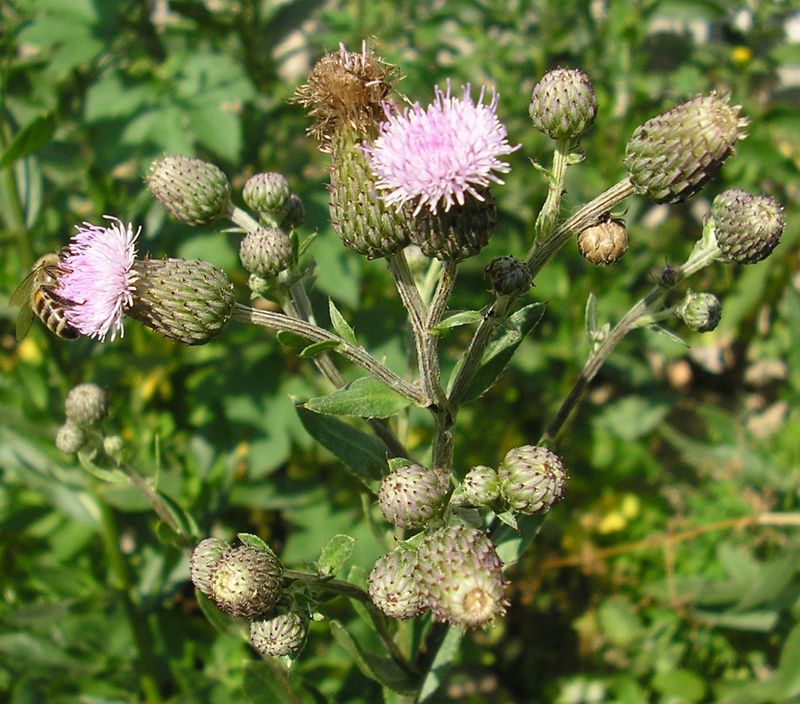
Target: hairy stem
{"type": "Point", "coordinates": [284, 323]}
{"type": "Point", "coordinates": [548, 215]}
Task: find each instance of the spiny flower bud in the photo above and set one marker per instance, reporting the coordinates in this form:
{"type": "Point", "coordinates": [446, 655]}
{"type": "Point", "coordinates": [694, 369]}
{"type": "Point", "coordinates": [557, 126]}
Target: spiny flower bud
{"type": "Point", "coordinates": [481, 487]}
{"type": "Point", "coordinates": [267, 192]}
{"type": "Point", "coordinates": [563, 104]}
{"type": "Point", "coordinates": [266, 251]}
{"type": "Point", "coordinates": [393, 585]}
{"type": "Point", "coordinates": [460, 576]}
{"type": "Point", "coordinates": [700, 311]}
{"type": "Point", "coordinates": [246, 581]}
{"type": "Point", "coordinates": [508, 275]}
{"type": "Point", "coordinates": [86, 404]}
{"type": "Point", "coordinates": [70, 438]}
{"type": "Point", "coordinates": [204, 557]}
{"type": "Point", "coordinates": [532, 479]}
{"type": "Point", "coordinates": [191, 190]}
{"type": "Point", "coordinates": [295, 213]}
{"type": "Point", "coordinates": [604, 243]}
{"type": "Point", "coordinates": [747, 228]}
{"type": "Point", "coordinates": [280, 635]}
{"type": "Point", "coordinates": [673, 155]}
{"type": "Point", "coordinates": [113, 445]}
{"type": "Point", "coordinates": [458, 233]}
{"type": "Point", "coordinates": [346, 91]}
{"type": "Point", "coordinates": [187, 300]}
{"type": "Point", "coordinates": [412, 495]}
{"type": "Point", "coordinates": [365, 223]}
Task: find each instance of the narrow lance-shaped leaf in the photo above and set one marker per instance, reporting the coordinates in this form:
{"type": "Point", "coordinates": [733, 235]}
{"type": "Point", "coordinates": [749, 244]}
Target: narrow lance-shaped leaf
{"type": "Point", "coordinates": [334, 554]}
{"type": "Point", "coordinates": [29, 139]}
{"type": "Point", "coordinates": [364, 398]}
{"type": "Point", "coordinates": [340, 325]}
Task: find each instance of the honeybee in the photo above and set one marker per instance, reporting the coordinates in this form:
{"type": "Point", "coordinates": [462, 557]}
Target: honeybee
{"type": "Point", "coordinates": [36, 294]}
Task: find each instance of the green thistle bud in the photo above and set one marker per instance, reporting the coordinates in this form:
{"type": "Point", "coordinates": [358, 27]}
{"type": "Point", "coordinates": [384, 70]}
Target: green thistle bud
{"type": "Point", "coordinates": [563, 104]}
{"type": "Point", "coordinates": [113, 445]}
{"type": "Point", "coordinates": [458, 233]}
{"type": "Point", "coordinates": [410, 496]}
{"type": "Point", "coordinates": [747, 228]}
{"type": "Point", "coordinates": [604, 243]}
{"type": "Point", "coordinates": [460, 576]}
{"type": "Point", "coordinates": [86, 404]}
{"type": "Point", "coordinates": [295, 213]}
{"type": "Point", "coordinates": [204, 557]}
{"type": "Point", "coordinates": [284, 634]}
{"type": "Point", "coordinates": [70, 438]}
{"type": "Point", "coordinates": [358, 215]}
{"type": "Point", "coordinates": [191, 190]}
{"type": "Point", "coordinates": [532, 479]}
{"type": "Point", "coordinates": [246, 581]}
{"type": "Point", "coordinates": [268, 192]}
{"type": "Point", "coordinates": [481, 487]}
{"type": "Point", "coordinates": [266, 251]}
{"type": "Point", "coordinates": [393, 585]}
{"type": "Point", "coordinates": [700, 311]}
{"type": "Point", "coordinates": [673, 155]}
{"type": "Point", "coordinates": [187, 300]}
{"type": "Point", "coordinates": [508, 275]}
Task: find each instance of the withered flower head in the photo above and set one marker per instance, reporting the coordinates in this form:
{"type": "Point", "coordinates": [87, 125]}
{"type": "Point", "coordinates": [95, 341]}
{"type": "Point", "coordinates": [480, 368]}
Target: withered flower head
{"type": "Point", "coordinates": [346, 90]}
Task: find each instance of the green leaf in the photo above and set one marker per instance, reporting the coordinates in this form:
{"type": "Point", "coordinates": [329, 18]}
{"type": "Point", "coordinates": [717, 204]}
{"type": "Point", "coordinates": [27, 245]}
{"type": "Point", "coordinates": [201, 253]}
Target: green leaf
{"type": "Point", "coordinates": [756, 621]}
{"type": "Point", "coordinates": [266, 681]}
{"type": "Point", "coordinates": [362, 454]}
{"type": "Point", "coordinates": [441, 664]}
{"type": "Point", "coordinates": [682, 684]}
{"type": "Point", "coordinates": [319, 348]}
{"type": "Point", "coordinates": [255, 542]}
{"type": "Point", "coordinates": [334, 554]}
{"type": "Point", "coordinates": [340, 325]}
{"type": "Point", "coordinates": [238, 630]}
{"type": "Point", "coordinates": [29, 139]}
{"type": "Point", "coordinates": [499, 353]}
{"type": "Point", "coordinates": [511, 543]}
{"type": "Point", "coordinates": [463, 317]}
{"type": "Point", "coordinates": [789, 665]}
{"type": "Point", "coordinates": [364, 398]}
{"type": "Point", "coordinates": [509, 519]}
{"type": "Point", "coordinates": [292, 340]}
{"type": "Point", "coordinates": [632, 417]}
{"type": "Point", "coordinates": [396, 463]}
{"type": "Point", "coordinates": [376, 667]}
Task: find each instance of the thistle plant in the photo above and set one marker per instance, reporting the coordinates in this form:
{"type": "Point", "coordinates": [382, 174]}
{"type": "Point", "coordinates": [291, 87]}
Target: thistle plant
{"type": "Point", "coordinates": [428, 175]}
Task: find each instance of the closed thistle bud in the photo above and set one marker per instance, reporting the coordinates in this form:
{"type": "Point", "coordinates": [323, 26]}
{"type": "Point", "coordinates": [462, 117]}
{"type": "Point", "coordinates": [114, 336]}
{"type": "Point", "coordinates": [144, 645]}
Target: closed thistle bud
{"type": "Point", "coordinates": [700, 311]}
{"type": "Point", "coordinates": [532, 479]}
{"type": "Point", "coordinates": [246, 581]}
{"type": "Point", "coordinates": [673, 155]}
{"type": "Point", "coordinates": [204, 557]}
{"type": "Point", "coordinates": [460, 576]}
{"type": "Point", "coordinates": [563, 104]}
{"type": "Point", "coordinates": [458, 233]}
{"type": "Point", "coordinates": [481, 487]}
{"type": "Point", "coordinates": [70, 438]}
{"type": "Point", "coordinates": [86, 404]}
{"type": "Point", "coordinates": [747, 228]}
{"type": "Point", "coordinates": [280, 635]}
{"type": "Point", "coordinates": [266, 251]}
{"type": "Point", "coordinates": [192, 190]}
{"type": "Point", "coordinates": [393, 585]}
{"type": "Point", "coordinates": [364, 222]}
{"type": "Point", "coordinates": [187, 300]}
{"type": "Point", "coordinates": [604, 243]}
{"type": "Point", "coordinates": [267, 192]}
{"type": "Point", "coordinates": [508, 275]}
{"type": "Point", "coordinates": [295, 213]}
{"type": "Point", "coordinates": [410, 496]}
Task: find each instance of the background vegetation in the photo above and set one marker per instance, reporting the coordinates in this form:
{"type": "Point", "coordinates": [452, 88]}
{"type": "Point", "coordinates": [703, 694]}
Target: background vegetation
{"type": "Point", "coordinates": [670, 573]}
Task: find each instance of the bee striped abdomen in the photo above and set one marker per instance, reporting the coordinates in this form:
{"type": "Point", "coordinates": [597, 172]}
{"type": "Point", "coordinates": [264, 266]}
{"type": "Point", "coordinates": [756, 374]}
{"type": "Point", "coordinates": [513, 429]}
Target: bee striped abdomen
{"type": "Point", "coordinates": [49, 307]}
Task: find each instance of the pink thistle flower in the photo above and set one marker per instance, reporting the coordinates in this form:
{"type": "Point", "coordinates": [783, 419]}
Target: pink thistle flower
{"type": "Point", "coordinates": [96, 275]}
{"type": "Point", "coordinates": [440, 154]}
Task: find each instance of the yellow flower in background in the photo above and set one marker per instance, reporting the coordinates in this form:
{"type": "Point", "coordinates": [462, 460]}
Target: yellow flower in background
{"type": "Point", "coordinates": [740, 55]}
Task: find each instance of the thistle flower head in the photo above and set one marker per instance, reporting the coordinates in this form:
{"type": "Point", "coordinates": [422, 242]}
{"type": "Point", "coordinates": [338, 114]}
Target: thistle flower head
{"type": "Point", "coordinates": [205, 555]}
{"type": "Point", "coordinates": [191, 190]}
{"type": "Point", "coordinates": [700, 311]}
{"type": "Point", "coordinates": [393, 585]}
{"type": "Point", "coordinates": [245, 581]}
{"type": "Point", "coordinates": [604, 243]}
{"type": "Point", "coordinates": [86, 404]}
{"type": "Point", "coordinates": [412, 495]}
{"type": "Point", "coordinates": [267, 192]}
{"type": "Point", "coordinates": [345, 92]}
{"type": "Point", "coordinates": [282, 634]}
{"type": "Point", "coordinates": [563, 104]}
{"type": "Point", "coordinates": [97, 276]}
{"type": "Point", "coordinates": [532, 479]}
{"type": "Point", "coordinates": [460, 576]}
{"type": "Point", "coordinates": [480, 487]}
{"type": "Point", "coordinates": [437, 156]}
{"type": "Point", "coordinates": [747, 228]}
{"type": "Point", "coordinates": [508, 275]}
{"type": "Point", "coordinates": [266, 251]}
{"type": "Point", "coordinates": [70, 438]}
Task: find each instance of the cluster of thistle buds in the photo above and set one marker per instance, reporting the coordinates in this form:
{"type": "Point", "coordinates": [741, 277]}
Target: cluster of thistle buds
{"type": "Point", "coordinates": [454, 570]}
{"type": "Point", "coordinates": [85, 408]}
{"type": "Point", "coordinates": [246, 582]}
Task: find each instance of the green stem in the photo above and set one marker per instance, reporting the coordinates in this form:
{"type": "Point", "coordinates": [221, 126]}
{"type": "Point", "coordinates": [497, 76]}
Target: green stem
{"type": "Point", "coordinates": [351, 591]}
{"type": "Point", "coordinates": [120, 581]}
{"type": "Point", "coordinates": [548, 215]}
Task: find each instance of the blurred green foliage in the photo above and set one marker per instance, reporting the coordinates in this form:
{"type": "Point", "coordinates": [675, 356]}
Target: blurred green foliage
{"type": "Point", "coordinates": [670, 572]}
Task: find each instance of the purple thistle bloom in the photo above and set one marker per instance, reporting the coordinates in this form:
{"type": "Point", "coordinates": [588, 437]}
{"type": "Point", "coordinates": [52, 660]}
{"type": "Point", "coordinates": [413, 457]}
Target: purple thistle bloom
{"type": "Point", "coordinates": [97, 277]}
{"type": "Point", "coordinates": [440, 154]}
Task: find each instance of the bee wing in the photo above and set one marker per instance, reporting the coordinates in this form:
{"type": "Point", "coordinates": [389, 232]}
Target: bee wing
{"type": "Point", "coordinates": [22, 298]}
